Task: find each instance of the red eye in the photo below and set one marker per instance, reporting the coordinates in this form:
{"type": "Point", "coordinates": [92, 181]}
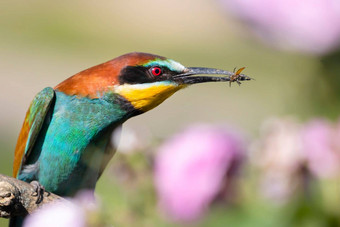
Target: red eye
{"type": "Point", "coordinates": [156, 71]}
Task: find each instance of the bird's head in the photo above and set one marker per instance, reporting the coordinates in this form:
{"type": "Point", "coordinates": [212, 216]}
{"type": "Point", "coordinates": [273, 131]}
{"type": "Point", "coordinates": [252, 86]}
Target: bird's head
{"type": "Point", "coordinates": [145, 80]}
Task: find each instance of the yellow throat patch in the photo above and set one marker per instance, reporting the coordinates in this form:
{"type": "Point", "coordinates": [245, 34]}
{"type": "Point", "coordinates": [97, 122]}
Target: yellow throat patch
{"type": "Point", "coordinates": [147, 96]}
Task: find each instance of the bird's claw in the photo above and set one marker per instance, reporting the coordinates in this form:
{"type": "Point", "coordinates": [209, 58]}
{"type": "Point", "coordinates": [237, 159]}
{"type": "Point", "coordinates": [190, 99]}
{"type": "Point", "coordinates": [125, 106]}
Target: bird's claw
{"type": "Point", "coordinates": [39, 191]}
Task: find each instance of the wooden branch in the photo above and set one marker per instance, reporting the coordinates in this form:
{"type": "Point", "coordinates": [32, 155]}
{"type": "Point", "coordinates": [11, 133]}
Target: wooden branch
{"type": "Point", "coordinates": [17, 198]}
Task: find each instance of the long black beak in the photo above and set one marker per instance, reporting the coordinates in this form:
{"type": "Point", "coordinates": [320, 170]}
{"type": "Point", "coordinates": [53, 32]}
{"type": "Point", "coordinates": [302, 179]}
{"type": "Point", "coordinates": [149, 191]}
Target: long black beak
{"type": "Point", "coordinates": [188, 76]}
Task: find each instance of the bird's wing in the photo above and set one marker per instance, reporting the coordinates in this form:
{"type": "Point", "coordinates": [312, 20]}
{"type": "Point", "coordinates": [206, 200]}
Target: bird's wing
{"type": "Point", "coordinates": [33, 122]}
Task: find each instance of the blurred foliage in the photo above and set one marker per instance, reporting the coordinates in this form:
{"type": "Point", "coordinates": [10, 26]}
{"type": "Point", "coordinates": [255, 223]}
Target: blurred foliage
{"type": "Point", "coordinates": [43, 43]}
{"type": "Point", "coordinates": [129, 178]}
{"type": "Point", "coordinates": [326, 86]}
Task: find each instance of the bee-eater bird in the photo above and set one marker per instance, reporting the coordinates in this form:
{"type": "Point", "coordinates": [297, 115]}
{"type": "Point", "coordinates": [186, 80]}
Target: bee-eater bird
{"type": "Point", "coordinates": [64, 140]}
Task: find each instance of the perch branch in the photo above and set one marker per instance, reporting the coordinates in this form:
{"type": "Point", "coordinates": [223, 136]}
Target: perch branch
{"type": "Point", "coordinates": [17, 198]}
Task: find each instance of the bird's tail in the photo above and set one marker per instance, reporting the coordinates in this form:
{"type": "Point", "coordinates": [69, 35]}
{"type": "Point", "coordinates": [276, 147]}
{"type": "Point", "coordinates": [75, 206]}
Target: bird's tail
{"type": "Point", "coordinates": [16, 221]}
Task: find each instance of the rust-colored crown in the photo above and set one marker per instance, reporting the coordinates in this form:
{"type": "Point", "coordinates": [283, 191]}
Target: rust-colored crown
{"type": "Point", "coordinates": [95, 80]}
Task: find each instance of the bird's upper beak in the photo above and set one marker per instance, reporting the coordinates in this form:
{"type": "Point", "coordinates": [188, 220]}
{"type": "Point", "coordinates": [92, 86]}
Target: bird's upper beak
{"type": "Point", "coordinates": [189, 76]}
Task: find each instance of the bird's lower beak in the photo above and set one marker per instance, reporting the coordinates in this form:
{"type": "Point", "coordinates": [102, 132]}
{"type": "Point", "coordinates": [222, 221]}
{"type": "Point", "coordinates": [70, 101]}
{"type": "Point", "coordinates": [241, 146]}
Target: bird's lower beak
{"type": "Point", "coordinates": [189, 76]}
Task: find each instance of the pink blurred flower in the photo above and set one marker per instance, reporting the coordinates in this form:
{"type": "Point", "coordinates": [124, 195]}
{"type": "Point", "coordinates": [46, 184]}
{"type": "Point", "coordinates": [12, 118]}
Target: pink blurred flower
{"type": "Point", "coordinates": [311, 26]}
{"type": "Point", "coordinates": [190, 169]}
{"type": "Point", "coordinates": [288, 154]}
{"type": "Point", "coordinates": [56, 215]}
{"type": "Point", "coordinates": [321, 142]}
{"type": "Point", "coordinates": [279, 157]}
{"type": "Point", "coordinates": [62, 214]}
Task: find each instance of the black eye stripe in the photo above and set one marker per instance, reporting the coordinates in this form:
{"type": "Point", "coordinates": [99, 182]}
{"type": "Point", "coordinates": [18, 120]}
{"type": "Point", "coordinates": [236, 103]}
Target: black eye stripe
{"type": "Point", "coordinates": [140, 75]}
{"type": "Point", "coordinates": [134, 75]}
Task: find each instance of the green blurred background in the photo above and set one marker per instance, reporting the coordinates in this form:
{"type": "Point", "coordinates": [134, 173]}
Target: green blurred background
{"type": "Point", "coordinates": [44, 42]}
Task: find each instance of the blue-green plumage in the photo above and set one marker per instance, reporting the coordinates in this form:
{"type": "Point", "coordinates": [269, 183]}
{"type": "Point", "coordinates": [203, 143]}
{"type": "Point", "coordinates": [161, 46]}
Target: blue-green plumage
{"type": "Point", "coordinates": [70, 150]}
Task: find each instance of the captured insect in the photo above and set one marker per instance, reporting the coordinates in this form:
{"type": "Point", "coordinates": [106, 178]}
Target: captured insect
{"type": "Point", "coordinates": [237, 77]}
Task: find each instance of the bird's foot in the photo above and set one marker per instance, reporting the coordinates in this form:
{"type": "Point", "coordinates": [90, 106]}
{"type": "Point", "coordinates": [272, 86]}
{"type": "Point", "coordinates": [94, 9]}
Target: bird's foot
{"type": "Point", "coordinates": [39, 191]}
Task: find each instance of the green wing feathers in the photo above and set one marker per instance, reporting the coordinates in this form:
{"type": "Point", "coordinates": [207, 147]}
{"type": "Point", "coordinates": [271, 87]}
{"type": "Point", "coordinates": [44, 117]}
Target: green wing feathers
{"type": "Point", "coordinates": [33, 122]}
